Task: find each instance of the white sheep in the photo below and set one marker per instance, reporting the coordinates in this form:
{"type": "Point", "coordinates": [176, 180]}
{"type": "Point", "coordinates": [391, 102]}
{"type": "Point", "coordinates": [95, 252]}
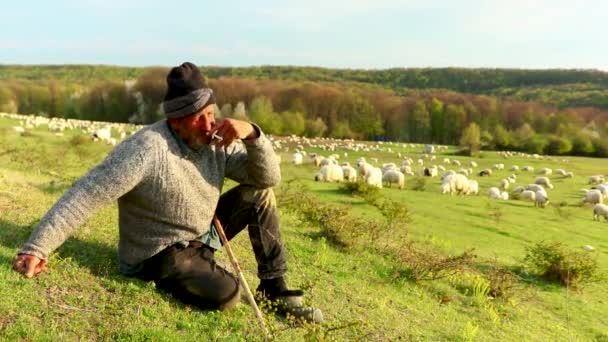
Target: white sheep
{"type": "Point", "coordinates": [600, 210]}
{"type": "Point", "coordinates": [473, 187]}
{"type": "Point", "coordinates": [373, 177]}
{"type": "Point", "coordinates": [595, 179]}
{"type": "Point", "coordinates": [527, 168]}
{"type": "Point", "coordinates": [485, 172]}
{"type": "Point", "coordinates": [593, 196]}
{"type": "Point", "coordinates": [535, 187]}
{"type": "Point", "coordinates": [528, 195]}
{"type": "Point", "coordinates": [514, 168]}
{"type": "Point", "coordinates": [394, 176]}
{"type": "Point", "coordinates": [504, 184]}
{"type": "Point", "coordinates": [297, 158]}
{"type": "Point", "coordinates": [603, 188]}
{"type": "Point", "coordinates": [458, 184]}
{"type": "Point", "coordinates": [545, 171]}
{"type": "Point", "coordinates": [330, 173]}
{"type": "Point", "coordinates": [541, 199]}
{"type": "Point", "coordinates": [494, 193]}
{"type": "Point", "coordinates": [350, 174]}
{"type": "Point", "coordinates": [473, 163]}
{"type": "Point", "coordinates": [544, 181]}
{"type": "Point", "coordinates": [103, 134]}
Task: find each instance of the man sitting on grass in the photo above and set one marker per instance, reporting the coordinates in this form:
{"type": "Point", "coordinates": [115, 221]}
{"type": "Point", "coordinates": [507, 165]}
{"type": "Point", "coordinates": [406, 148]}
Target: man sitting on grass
{"type": "Point", "coordinates": [168, 179]}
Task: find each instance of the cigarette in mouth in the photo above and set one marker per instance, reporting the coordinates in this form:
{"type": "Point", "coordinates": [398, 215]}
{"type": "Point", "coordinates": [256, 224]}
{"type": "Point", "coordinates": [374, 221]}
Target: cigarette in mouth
{"type": "Point", "coordinates": [216, 138]}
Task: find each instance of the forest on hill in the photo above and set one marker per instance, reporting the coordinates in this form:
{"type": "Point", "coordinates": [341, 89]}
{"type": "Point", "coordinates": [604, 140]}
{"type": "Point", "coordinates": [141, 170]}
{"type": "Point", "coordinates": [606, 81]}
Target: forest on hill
{"type": "Point", "coordinates": [538, 111]}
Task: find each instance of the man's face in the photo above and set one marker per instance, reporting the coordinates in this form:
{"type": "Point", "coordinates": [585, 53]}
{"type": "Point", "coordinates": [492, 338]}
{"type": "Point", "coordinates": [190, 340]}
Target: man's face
{"type": "Point", "coordinates": [195, 129]}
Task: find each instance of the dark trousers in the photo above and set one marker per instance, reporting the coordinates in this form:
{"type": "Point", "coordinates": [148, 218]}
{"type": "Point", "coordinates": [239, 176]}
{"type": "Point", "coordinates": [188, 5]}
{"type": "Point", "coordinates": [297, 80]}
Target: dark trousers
{"type": "Point", "coordinates": [190, 273]}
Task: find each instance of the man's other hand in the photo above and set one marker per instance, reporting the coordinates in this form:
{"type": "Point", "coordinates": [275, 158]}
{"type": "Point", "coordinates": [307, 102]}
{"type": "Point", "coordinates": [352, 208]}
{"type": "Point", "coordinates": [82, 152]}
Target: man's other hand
{"type": "Point", "coordinates": [29, 265]}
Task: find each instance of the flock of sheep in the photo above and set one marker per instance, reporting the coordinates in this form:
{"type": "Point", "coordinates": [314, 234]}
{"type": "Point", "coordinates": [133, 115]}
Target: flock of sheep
{"type": "Point", "coordinates": [455, 177]}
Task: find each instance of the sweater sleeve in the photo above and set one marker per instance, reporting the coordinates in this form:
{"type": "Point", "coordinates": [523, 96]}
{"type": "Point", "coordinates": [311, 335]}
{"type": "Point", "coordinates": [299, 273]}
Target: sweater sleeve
{"type": "Point", "coordinates": [120, 172]}
{"type": "Point", "coordinates": [253, 162]}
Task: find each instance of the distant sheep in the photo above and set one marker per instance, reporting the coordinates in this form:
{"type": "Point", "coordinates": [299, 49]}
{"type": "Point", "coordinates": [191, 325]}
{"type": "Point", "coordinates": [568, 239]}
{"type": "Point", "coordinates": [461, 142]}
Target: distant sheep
{"type": "Point", "coordinates": [514, 168]}
{"type": "Point", "coordinates": [430, 171]}
{"type": "Point", "coordinates": [297, 158]}
{"type": "Point", "coordinates": [527, 168]}
{"type": "Point", "coordinates": [473, 187]}
{"type": "Point", "coordinates": [394, 177]}
{"type": "Point", "coordinates": [545, 171]}
{"type": "Point", "coordinates": [596, 179]}
{"type": "Point", "coordinates": [544, 181]}
{"type": "Point", "coordinates": [528, 195]}
{"type": "Point", "coordinates": [485, 172]}
{"type": "Point", "coordinates": [504, 184]}
{"type": "Point", "coordinates": [350, 174]}
{"type": "Point", "coordinates": [541, 199]}
{"type": "Point", "coordinates": [600, 210]}
{"type": "Point", "coordinates": [593, 197]}
{"type": "Point", "coordinates": [458, 184]}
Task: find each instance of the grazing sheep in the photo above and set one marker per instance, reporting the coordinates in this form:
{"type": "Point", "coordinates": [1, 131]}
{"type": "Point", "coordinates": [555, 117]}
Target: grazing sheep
{"type": "Point", "coordinates": [447, 173]}
{"type": "Point", "coordinates": [528, 195]}
{"type": "Point", "coordinates": [504, 195]}
{"type": "Point", "coordinates": [407, 170]}
{"type": "Point", "coordinates": [600, 210]}
{"type": "Point", "coordinates": [473, 187]}
{"type": "Point", "coordinates": [330, 173]}
{"type": "Point", "coordinates": [394, 177]}
{"type": "Point", "coordinates": [596, 179]}
{"type": "Point", "coordinates": [527, 168]}
{"type": "Point", "coordinates": [485, 172]}
{"type": "Point", "coordinates": [388, 166]}
{"type": "Point", "coordinates": [603, 188]}
{"type": "Point", "coordinates": [328, 161]}
{"type": "Point", "coordinates": [317, 160]}
{"type": "Point", "coordinates": [561, 172]}
{"type": "Point", "coordinates": [102, 134]}
{"type": "Point", "coordinates": [518, 190]}
{"type": "Point", "coordinates": [430, 171]}
{"type": "Point", "coordinates": [458, 184]}
{"type": "Point", "coordinates": [350, 174]}
{"type": "Point", "coordinates": [545, 171]}
{"type": "Point", "coordinates": [494, 193]}
{"type": "Point", "coordinates": [374, 177]}
{"type": "Point", "coordinates": [473, 163]}
{"type": "Point", "coordinates": [541, 199]}
{"type": "Point", "coordinates": [593, 197]}
{"type": "Point", "coordinates": [499, 166]}
{"type": "Point", "coordinates": [535, 187]}
{"type": "Point", "coordinates": [512, 178]}
{"type": "Point", "coordinates": [514, 168]}
{"type": "Point", "coordinates": [504, 184]}
{"type": "Point", "coordinates": [544, 181]}
{"type": "Point", "coordinates": [455, 162]}
{"type": "Point", "coordinates": [297, 158]}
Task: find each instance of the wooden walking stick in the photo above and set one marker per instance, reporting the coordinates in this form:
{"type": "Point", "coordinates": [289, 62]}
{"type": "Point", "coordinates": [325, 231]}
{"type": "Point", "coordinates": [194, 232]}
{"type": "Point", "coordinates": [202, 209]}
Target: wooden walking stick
{"type": "Point", "coordinates": [235, 265]}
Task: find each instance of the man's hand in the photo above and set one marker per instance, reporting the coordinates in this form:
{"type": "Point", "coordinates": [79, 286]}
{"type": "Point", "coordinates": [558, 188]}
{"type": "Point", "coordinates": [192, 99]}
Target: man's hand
{"type": "Point", "coordinates": [231, 129]}
{"type": "Point", "coordinates": [29, 265]}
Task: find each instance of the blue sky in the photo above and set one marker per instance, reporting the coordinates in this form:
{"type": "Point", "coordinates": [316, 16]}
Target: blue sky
{"type": "Point", "coordinates": [371, 34]}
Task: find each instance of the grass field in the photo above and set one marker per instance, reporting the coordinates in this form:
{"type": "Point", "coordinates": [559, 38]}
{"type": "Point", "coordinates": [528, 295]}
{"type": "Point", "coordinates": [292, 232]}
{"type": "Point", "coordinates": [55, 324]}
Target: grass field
{"type": "Point", "coordinates": [83, 297]}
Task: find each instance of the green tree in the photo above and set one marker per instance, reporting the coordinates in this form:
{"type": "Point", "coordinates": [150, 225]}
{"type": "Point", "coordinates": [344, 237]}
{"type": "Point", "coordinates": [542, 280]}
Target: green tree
{"type": "Point", "coordinates": [537, 143]}
{"type": "Point", "coordinates": [437, 121]}
{"type": "Point", "coordinates": [293, 123]}
{"type": "Point", "coordinates": [502, 138]}
{"type": "Point", "coordinates": [419, 122]}
{"type": "Point", "coordinates": [558, 145]}
{"type": "Point", "coordinates": [582, 145]}
{"type": "Point", "coordinates": [470, 141]}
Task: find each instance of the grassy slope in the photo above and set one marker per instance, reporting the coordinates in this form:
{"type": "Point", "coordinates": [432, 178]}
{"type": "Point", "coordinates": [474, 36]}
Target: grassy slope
{"type": "Point", "coordinates": [83, 296]}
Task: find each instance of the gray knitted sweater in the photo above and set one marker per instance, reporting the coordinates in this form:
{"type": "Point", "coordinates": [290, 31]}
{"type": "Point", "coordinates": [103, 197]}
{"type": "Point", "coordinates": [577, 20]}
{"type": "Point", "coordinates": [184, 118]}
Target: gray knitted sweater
{"type": "Point", "coordinates": [167, 193]}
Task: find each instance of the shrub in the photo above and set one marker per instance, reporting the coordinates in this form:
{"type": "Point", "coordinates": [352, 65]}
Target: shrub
{"type": "Point", "coordinates": [426, 263]}
{"type": "Point", "coordinates": [417, 184]}
{"type": "Point", "coordinates": [558, 145]}
{"type": "Point", "coordinates": [80, 140]}
{"type": "Point", "coordinates": [553, 262]}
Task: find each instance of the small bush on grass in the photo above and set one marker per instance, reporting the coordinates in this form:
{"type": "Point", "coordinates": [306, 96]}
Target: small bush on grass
{"type": "Point", "coordinates": [78, 140]}
{"type": "Point", "coordinates": [417, 184]}
{"type": "Point", "coordinates": [553, 262]}
{"type": "Point", "coordinates": [501, 280]}
{"type": "Point", "coordinates": [425, 263]}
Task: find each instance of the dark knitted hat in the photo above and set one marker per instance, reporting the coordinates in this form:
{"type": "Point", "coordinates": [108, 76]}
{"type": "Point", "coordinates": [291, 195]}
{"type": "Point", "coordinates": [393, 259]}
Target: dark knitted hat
{"type": "Point", "coordinates": [186, 91]}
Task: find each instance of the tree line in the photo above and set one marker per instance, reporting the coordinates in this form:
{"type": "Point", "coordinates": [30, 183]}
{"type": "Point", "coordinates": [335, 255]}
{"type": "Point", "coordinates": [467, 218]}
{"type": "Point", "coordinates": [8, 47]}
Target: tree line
{"type": "Point", "coordinates": [335, 109]}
